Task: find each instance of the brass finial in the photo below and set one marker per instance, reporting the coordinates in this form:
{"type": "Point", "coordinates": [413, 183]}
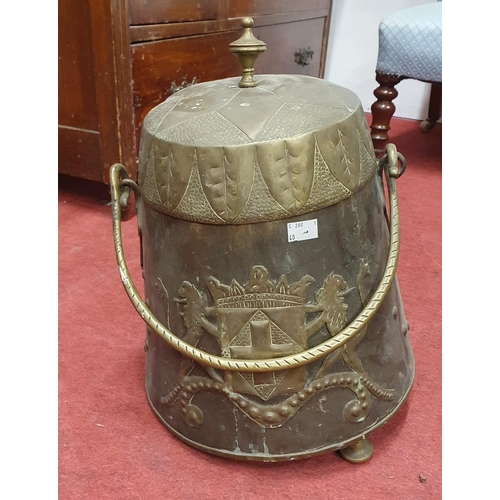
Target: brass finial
{"type": "Point", "coordinates": [247, 48]}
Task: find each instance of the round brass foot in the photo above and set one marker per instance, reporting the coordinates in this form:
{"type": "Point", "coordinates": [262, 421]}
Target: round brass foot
{"type": "Point", "coordinates": [358, 452]}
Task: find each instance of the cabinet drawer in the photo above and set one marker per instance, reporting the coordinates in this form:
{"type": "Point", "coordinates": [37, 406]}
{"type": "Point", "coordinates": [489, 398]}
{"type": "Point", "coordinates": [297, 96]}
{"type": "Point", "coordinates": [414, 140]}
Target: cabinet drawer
{"type": "Point", "coordinates": [241, 8]}
{"type": "Point", "coordinates": [160, 67]}
{"type": "Point", "coordinates": [172, 11]}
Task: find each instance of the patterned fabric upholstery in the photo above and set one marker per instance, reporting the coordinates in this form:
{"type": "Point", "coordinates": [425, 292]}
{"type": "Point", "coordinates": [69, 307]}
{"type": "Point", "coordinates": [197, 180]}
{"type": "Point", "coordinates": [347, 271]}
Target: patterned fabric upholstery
{"type": "Point", "coordinates": [410, 43]}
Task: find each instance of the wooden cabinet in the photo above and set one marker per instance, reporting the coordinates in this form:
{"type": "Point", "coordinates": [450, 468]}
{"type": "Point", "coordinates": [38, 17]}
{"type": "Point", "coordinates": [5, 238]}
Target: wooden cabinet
{"type": "Point", "coordinates": [120, 58]}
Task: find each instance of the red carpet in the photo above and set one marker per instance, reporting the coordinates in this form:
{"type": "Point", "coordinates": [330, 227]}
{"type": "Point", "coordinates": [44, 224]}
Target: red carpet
{"type": "Point", "coordinates": [111, 446]}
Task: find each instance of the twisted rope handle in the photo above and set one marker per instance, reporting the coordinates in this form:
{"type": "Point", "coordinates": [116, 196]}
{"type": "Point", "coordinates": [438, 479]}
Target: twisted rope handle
{"type": "Point", "coordinates": [389, 163]}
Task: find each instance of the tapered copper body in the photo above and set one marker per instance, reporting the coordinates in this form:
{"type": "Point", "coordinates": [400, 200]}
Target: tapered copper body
{"type": "Point", "coordinates": [275, 326]}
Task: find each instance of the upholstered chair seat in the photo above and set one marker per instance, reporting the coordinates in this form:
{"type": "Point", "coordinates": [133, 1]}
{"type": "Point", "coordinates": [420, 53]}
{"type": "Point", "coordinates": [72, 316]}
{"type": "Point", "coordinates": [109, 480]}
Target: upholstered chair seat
{"type": "Point", "coordinates": [410, 46]}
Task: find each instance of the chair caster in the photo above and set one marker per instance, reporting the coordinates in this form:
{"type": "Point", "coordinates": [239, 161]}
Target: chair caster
{"type": "Point", "coordinates": [427, 125]}
{"type": "Point", "coordinates": [358, 452]}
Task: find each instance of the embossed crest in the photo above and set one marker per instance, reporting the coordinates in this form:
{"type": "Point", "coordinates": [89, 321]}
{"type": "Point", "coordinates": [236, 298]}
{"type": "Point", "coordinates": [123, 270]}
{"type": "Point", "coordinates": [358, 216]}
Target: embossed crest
{"type": "Point", "coordinates": [265, 319]}
{"type": "Point", "coordinates": [261, 320]}
{"type": "Point", "coordinates": [269, 328]}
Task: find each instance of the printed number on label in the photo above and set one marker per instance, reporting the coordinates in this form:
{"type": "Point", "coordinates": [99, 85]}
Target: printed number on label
{"type": "Point", "coordinates": [303, 230]}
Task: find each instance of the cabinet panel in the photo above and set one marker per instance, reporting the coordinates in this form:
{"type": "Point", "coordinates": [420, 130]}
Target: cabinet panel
{"type": "Point", "coordinates": [77, 95]}
{"type": "Point", "coordinates": [79, 154]}
{"type": "Point", "coordinates": [173, 11]}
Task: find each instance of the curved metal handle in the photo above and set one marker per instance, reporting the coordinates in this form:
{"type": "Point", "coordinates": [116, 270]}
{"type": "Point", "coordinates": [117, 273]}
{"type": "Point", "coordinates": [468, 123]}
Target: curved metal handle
{"type": "Point", "coordinates": [389, 163]}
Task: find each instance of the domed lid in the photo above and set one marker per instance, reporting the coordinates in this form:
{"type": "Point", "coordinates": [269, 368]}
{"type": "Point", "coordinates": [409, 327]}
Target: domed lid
{"type": "Point", "coordinates": [254, 149]}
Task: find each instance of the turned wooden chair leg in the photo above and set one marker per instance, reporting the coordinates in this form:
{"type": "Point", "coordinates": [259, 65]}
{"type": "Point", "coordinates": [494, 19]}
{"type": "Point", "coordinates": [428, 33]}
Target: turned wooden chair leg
{"type": "Point", "coordinates": [383, 109]}
{"type": "Point", "coordinates": [434, 113]}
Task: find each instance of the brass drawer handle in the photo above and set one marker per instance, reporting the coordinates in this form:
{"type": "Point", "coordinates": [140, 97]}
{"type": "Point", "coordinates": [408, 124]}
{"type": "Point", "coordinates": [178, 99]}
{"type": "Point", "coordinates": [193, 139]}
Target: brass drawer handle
{"type": "Point", "coordinates": [303, 56]}
{"type": "Point", "coordinates": [120, 186]}
{"type": "Point", "coordinates": [175, 88]}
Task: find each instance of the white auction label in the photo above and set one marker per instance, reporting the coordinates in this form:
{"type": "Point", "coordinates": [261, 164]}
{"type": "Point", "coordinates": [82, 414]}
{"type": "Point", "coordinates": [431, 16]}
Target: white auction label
{"type": "Point", "coordinates": [304, 230]}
